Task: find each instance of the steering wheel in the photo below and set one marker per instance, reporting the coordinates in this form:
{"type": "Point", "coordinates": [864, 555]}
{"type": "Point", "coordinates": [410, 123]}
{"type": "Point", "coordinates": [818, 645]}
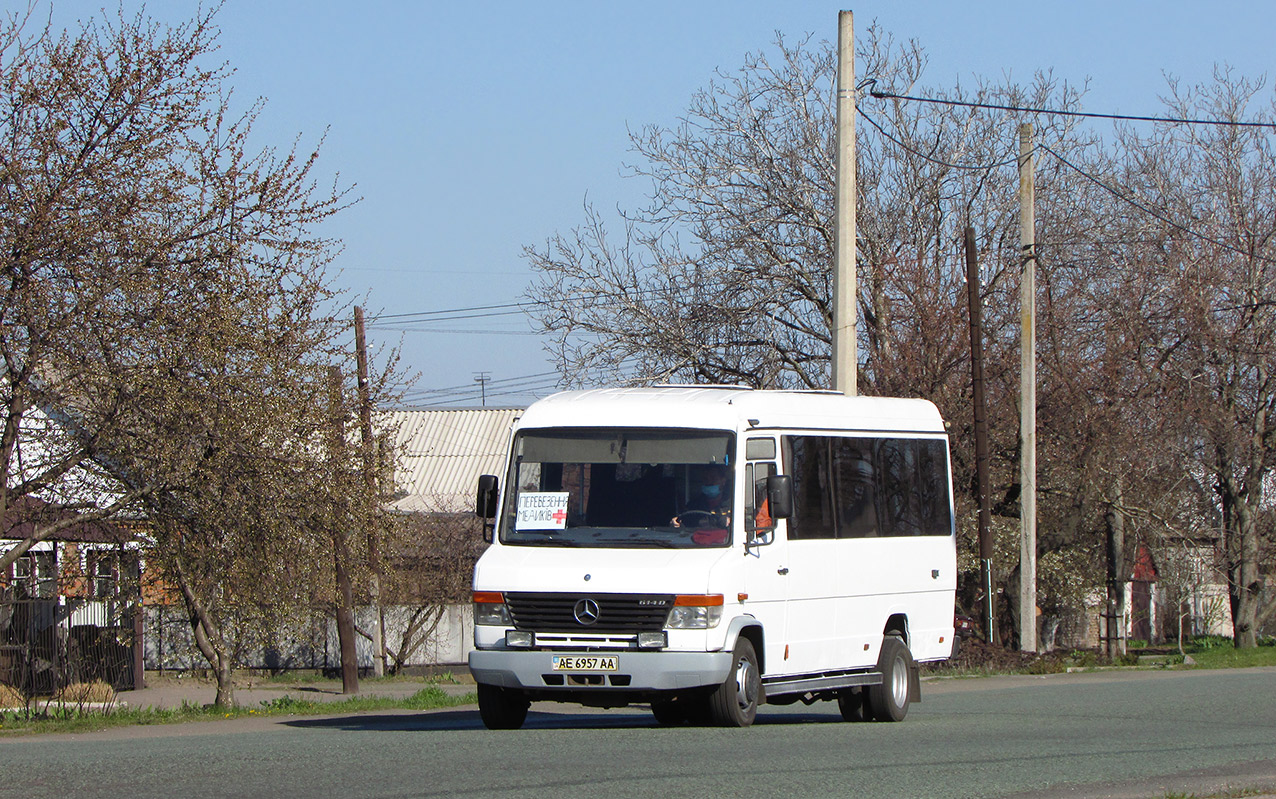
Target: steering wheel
{"type": "Point", "coordinates": [703, 517]}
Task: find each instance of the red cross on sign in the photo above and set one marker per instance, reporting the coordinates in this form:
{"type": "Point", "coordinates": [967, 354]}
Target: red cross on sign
{"type": "Point", "coordinates": [560, 516]}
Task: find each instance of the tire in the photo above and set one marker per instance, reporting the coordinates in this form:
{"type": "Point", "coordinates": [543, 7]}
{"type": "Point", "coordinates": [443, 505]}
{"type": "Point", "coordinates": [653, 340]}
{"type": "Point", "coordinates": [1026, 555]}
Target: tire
{"type": "Point", "coordinates": [889, 701]}
{"type": "Point", "coordinates": [501, 708]}
{"type": "Point", "coordinates": [850, 701]}
{"type": "Point", "coordinates": [735, 702]}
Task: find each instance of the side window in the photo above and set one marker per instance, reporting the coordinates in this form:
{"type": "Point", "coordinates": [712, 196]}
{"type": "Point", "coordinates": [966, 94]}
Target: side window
{"type": "Point", "coordinates": [36, 574]}
{"type": "Point", "coordinates": [898, 461]}
{"type": "Point", "coordinates": [757, 511]}
{"type": "Point", "coordinates": [103, 572]}
{"type": "Point", "coordinates": [760, 454]}
{"type": "Point", "coordinates": [809, 463]}
{"type": "Point", "coordinates": [867, 487]}
{"type": "Point", "coordinates": [913, 487]}
{"type": "Point", "coordinates": [857, 491]}
{"type": "Point", "coordinates": [932, 487]}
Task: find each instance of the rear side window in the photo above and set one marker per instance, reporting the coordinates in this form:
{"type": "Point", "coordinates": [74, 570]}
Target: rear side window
{"type": "Point", "coordinates": [859, 487]}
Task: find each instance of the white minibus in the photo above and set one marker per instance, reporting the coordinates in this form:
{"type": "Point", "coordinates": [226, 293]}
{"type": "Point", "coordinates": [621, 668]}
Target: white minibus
{"type": "Point", "coordinates": [706, 549]}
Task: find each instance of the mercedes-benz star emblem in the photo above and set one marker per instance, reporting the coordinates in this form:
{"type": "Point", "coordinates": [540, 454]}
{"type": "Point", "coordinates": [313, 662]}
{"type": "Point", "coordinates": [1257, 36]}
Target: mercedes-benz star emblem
{"type": "Point", "coordinates": [586, 611]}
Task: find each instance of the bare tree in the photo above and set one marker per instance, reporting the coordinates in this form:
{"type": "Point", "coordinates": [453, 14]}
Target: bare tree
{"type": "Point", "coordinates": [430, 561]}
{"type": "Point", "coordinates": [1207, 195]}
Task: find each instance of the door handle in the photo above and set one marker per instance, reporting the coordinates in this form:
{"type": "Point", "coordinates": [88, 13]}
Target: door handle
{"type": "Point", "coordinates": [782, 570]}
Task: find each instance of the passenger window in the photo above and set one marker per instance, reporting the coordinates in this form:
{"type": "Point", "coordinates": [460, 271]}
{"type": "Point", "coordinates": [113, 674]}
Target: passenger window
{"type": "Point", "coordinates": [849, 487]}
{"type": "Point", "coordinates": [899, 488]}
{"type": "Point", "coordinates": [856, 488]}
{"type": "Point", "coordinates": [932, 488]}
{"type": "Point", "coordinates": [809, 464]}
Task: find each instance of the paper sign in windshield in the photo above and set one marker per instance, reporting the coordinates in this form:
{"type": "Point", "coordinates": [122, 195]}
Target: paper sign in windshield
{"type": "Point", "coordinates": [542, 511]}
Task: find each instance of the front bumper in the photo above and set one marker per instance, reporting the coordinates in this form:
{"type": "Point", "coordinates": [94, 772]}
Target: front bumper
{"type": "Point", "coordinates": [638, 671]}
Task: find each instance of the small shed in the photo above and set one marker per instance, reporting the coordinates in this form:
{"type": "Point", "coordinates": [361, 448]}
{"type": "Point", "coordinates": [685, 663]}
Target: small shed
{"type": "Point", "coordinates": [443, 453]}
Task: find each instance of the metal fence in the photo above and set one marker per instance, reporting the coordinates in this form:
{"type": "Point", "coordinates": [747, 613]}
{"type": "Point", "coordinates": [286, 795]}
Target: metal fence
{"type": "Point", "coordinates": [47, 644]}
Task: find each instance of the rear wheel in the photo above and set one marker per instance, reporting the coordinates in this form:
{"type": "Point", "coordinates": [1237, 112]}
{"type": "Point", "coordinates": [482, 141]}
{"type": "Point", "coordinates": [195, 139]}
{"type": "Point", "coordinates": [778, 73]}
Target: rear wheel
{"type": "Point", "coordinates": [735, 702]}
{"type": "Point", "coordinates": [889, 701]}
{"type": "Point", "coordinates": [502, 708]}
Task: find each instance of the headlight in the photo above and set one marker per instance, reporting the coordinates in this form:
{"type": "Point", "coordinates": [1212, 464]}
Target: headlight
{"type": "Point", "coordinates": [695, 612]}
{"type": "Point", "coordinates": [490, 609]}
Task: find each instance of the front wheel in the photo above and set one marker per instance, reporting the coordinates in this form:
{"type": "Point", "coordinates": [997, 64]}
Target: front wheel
{"type": "Point", "coordinates": [501, 708]}
{"type": "Point", "coordinates": [735, 702]}
{"type": "Point", "coordinates": [889, 701]}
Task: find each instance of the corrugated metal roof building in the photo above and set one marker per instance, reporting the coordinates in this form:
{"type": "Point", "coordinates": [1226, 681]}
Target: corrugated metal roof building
{"type": "Point", "coordinates": [443, 452]}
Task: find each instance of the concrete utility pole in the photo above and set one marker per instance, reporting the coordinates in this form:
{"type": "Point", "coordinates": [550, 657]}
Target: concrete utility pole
{"type": "Point", "coordinates": [845, 357]}
{"type": "Point", "coordinates": [370, 482]}
{"type": "Point", "coordinates": [1028, 401]}
{"type": "Point", "coordinates": [981, 436]}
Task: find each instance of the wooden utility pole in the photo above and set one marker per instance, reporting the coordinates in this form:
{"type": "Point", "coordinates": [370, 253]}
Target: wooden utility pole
{"type": "Point", "coordinates": [1114, 621]}
{"type": "Point", "coordinates": [1028, 398]}
{"type": "Point", "coordinates": [845, 357]}
{"type": "Point", "coordinates": [340, 549]}
{"type": "Point", "coordinates": [370, 484]}
{"type": "Point", "coordinates": [981, 436]}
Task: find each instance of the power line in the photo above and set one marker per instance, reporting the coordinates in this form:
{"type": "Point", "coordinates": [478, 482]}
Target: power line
{"type": "Point", "coordinates": [1059, 112]}
{"type": "Point", "coordinates": [932, 159]}
{"type": "Point", "coordinates": [502, 306]}
{"type": "Point", "coordinates": [469, 332]}
{"type": "Point", "coordinates": [1149, 211]}
{"type": "Point", "coordinates": [505, 382]}
{"type": "Point", "coordinates": [503, 309]}
{"type": "Point", "coordinates": [530, 391]}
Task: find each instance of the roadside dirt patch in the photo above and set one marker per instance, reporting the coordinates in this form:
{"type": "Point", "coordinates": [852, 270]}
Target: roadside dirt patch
{"type": "Point", "coordinates": [981, 657]}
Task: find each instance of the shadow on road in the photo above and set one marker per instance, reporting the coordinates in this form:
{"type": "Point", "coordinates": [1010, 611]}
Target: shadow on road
{"type": "Point", "coordinates": [468, 719]}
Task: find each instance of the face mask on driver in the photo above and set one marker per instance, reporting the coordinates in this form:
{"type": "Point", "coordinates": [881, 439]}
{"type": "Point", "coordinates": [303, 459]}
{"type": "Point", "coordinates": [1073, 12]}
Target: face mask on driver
{"type": "Point", "coordinates": [711, 491]}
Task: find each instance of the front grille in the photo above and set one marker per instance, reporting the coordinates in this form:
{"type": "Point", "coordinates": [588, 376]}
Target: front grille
{"type": "Point", "coordinates": [617, 613]}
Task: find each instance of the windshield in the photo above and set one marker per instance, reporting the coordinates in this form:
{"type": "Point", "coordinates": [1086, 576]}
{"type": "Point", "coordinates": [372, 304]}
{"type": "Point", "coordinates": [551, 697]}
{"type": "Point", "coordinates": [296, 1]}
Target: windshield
{"type": "Point", "coordinates": [620, 488]}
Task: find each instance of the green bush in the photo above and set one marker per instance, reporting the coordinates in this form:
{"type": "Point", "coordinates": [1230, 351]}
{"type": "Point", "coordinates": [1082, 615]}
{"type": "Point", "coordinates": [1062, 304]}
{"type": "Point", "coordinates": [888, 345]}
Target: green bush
{"type": "Point", "coordinates": [287, 704]}
{"type": "Point", "coordinates": [1203, 643]}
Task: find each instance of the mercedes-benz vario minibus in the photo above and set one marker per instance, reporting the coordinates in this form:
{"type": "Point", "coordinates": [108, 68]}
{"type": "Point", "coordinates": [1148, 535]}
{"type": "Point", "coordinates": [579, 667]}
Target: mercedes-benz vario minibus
{"type": "Point", "coordinates": [705, 550]}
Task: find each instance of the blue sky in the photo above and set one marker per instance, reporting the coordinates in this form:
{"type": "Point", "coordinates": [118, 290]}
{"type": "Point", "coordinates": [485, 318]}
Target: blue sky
{"type": "Point", "coordinates": [473, 129]}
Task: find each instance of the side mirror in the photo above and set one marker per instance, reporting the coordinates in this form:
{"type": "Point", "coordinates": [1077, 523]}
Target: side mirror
{"type": "Point", "coordinates": [779, 493]}
{"type": "Point", "coordinates": [485, 505]}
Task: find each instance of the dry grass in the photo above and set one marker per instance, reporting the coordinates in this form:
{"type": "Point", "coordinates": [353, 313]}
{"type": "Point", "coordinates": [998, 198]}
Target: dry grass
{"type": "Point", "coordinates": [80, 693]}
{"type": "Point", "coordinates": [11, 697]}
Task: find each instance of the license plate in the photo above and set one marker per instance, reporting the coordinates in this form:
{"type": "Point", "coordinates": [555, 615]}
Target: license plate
{"type": "Point", "coordinates": [586, 663]}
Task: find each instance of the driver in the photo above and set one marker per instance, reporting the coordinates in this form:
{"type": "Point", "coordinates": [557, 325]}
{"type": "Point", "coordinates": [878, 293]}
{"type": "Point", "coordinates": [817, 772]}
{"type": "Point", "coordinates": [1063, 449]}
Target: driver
{"type": "Point", "coordinates": [710, 503]}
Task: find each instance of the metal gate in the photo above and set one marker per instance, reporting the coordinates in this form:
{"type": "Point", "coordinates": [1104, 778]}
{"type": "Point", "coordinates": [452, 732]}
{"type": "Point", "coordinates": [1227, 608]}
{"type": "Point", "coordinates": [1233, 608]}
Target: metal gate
{"type": "Point", "coordinates": [48, 644]}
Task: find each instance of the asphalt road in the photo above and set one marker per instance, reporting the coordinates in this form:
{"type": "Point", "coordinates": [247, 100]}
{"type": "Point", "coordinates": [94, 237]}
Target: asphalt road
{"type": "Point", "coordinates": [1138, 734]}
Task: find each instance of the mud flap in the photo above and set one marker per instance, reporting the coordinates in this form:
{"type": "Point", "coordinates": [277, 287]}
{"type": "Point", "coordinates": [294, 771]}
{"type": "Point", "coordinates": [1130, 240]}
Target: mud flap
{"type": "Point", "coordinates": [914, 681]}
